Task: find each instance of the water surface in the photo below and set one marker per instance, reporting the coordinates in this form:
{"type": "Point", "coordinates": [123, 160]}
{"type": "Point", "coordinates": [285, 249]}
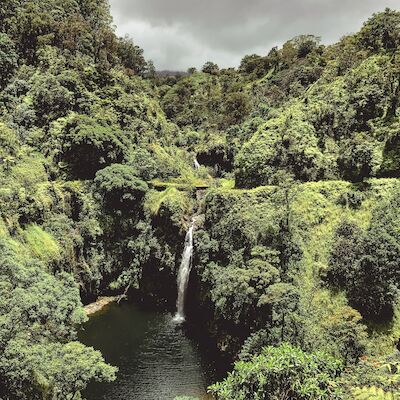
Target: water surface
{"type": "Point", "coordinates": [157, 359]}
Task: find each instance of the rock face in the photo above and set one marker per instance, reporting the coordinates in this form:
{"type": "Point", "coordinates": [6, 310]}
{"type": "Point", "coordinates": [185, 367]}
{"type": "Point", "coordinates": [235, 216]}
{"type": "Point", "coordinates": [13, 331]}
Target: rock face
{"type": "Point", "coordinates": [98, 305]}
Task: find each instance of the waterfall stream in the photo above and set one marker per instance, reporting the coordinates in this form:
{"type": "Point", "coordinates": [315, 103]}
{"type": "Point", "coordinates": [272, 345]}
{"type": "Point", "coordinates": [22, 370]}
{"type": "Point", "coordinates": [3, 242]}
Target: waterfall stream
{"type": "Point", "coordinates": [196, 163]}
{"type": "Point", "coordinates": [183, 276]}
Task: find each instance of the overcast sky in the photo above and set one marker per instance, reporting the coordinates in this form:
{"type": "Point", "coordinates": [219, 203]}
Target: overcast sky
{"type": "Point", "coordinates": [177, 34]}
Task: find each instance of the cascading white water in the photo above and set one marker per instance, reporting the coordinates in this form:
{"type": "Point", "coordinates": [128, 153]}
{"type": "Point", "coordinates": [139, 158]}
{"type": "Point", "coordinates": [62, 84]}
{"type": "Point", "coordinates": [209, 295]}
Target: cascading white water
{"type": "Point", "coordinates": [196, 163]}
{"type": "Point", "coordinates": [183, 276]}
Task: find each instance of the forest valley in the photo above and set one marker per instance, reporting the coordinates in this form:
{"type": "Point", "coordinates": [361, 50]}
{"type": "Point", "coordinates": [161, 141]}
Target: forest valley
{"type": "Point", "coordinates": [296, 270]}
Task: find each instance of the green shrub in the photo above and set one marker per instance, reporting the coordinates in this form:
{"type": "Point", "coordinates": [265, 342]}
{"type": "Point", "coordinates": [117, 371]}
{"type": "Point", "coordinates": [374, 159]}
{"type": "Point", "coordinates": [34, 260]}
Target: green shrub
{"type": "Point", "coordinates": [119, 187]}
{"type": "Point", "coordinates": [356, 161]}
{"type": "Point", "coordinates": [286, 143]}
{"type": "Point", "coordinates": [365, 263]}
{"type": "Point", "coordinates": [89, 146]}
{"type": "Point", "coordinates": [282, 372]}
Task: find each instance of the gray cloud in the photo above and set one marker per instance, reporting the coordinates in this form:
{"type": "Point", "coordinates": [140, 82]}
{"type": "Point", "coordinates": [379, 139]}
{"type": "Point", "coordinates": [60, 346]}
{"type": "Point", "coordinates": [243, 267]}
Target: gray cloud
{"type": "Point", "coordinates": [177, 34]}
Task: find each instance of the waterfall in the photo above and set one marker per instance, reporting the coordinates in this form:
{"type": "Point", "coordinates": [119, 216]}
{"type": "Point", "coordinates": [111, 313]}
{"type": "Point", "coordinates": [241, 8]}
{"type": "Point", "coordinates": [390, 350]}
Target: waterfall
{"type": "Point", "coordinates": [183, 276]}
{"type": "Point", "coordinates": [196, 163]}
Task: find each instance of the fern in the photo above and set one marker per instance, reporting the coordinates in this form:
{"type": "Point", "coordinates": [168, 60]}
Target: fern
{"type": "Point", "coordinates": [374, 393]}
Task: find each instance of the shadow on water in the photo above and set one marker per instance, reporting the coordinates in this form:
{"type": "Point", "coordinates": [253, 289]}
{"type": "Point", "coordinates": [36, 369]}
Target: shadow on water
{"type": "Point", "coordinates": [157, 359]}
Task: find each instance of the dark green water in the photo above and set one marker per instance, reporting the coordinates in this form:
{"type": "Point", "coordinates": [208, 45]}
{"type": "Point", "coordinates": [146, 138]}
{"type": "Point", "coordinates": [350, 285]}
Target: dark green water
{"type": "Point", "coordinates": [157, 359]}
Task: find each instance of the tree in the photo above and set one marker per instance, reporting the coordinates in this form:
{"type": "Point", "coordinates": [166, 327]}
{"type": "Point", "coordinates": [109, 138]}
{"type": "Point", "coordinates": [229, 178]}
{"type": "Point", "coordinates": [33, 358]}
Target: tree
{"type": "Point", "coordinates": [73, 34]}
{"type": "Point", "coordinates": [53, 370]}
{"type": "Point", "coordinates": [150, 71]}
{"type": "Point", "coordinates": [283, 372]}
{"type": "Point", "coordinates": [51, 99]}
{"type": "Point", "coordinates": [348, 336]}
{"type": "Point", "coordinates": [8, 58]}
{"type": "Point", "coordinates": [305, 44]}
{"type": "Point", "coordinates": [140, 252]}
{"type": "Point", "coordinates": [238, 292]}
{"type": "Point", "coordinates": [8, 11]}
{"type": "Point", "coordinates": [283, 300]}
{"type": "Point", "coordinates": [9, 143]}
{"type": "Point", "coordinates": [247, 63]}
{"type": "Point", "coordinates": [39, 317]}
{"type": "Point", "coordinates": [287, 142]}
{"type": "Point", "coordinates": [356, 160]}
{"type": "Point", "coordinates": [390, 166]}
{"type": "Point", "coordinates": [119, 187]}
{"type": "Point", "coordinates": [393, 86]}
{"type": "Point", "coordinates": [210, 68]}
{"type": "Point", "coordinates": [237, 107]}
{"type": "Point", "coordinates": [368, 89]}
{"type": "Point", "coordinates": [131, 55]}
{"type": "Point", "coordinates": [377, 284]}
{"type": "Point", "coordinates": [144, 163]}
{"type": "Point", "coordinates": [381, 31]}
{"type": "Point", "coordinates": [88, 146]}
{"type": "Point", "coordinates": [365, 263]}
{"type": "Point", "coordinates": [346, 251]}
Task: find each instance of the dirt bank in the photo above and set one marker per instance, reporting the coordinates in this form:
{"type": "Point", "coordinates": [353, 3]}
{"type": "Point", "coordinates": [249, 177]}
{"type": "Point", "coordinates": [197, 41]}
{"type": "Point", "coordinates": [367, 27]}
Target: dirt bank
{"type": "Point", "coordinates": [98, 305]}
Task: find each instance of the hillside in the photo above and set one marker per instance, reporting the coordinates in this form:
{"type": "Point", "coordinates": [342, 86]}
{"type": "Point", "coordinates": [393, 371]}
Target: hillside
{"type": "Point", "coordinates": [296, 195]}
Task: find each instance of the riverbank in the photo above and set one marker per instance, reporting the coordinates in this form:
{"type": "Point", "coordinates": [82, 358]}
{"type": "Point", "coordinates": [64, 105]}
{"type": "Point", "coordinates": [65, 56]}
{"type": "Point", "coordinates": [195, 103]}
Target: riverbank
{"type": "Point", "coordinates": [99, 304]}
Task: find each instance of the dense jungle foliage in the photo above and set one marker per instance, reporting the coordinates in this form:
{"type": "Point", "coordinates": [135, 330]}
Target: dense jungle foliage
{"type": "Point", "coordinates": [296, 198]}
